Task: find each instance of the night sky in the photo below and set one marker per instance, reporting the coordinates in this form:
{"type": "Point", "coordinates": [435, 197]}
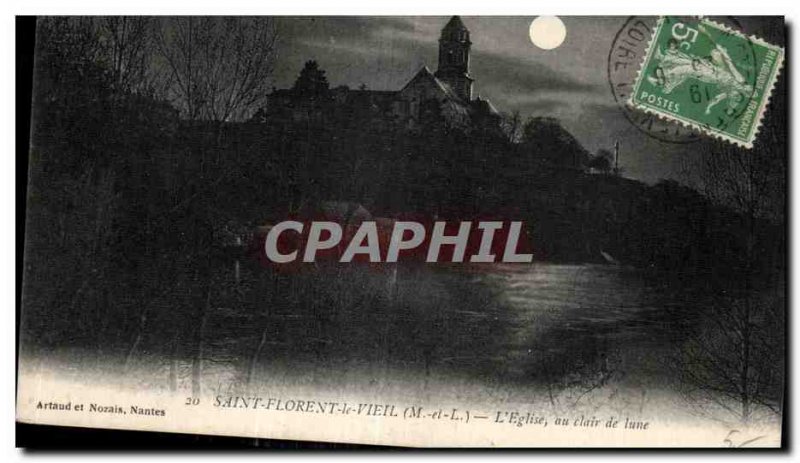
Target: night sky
{"type": "Point", "coordinates": [569, 82]}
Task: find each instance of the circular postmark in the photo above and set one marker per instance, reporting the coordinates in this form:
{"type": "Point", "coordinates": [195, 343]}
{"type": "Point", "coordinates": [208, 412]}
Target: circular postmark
{"type": "Point", "coordinates": [625, 58]}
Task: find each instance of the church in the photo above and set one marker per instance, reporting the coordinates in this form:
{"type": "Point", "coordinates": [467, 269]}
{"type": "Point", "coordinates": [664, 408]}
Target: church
{"type": "Point", "coordinates": [451, 87]}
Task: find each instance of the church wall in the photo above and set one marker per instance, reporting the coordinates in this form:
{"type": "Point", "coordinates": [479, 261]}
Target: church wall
{"type": "Point", "coordinates": [409, 100]}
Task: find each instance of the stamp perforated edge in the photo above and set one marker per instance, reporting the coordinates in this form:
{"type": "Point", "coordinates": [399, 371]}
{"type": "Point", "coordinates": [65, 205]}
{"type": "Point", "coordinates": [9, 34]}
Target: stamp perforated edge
{"type": "Point", "coordinates": [748, 143]}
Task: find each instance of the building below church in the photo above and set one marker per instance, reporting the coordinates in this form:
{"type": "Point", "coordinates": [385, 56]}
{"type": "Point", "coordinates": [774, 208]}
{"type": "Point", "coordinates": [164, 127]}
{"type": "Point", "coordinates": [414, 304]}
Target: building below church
{"type": "Point", "coordinates": [448, 91]}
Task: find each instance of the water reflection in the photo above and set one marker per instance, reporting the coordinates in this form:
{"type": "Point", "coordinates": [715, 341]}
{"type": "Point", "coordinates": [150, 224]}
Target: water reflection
{"type": "Point", "coordinates": [538, 323]}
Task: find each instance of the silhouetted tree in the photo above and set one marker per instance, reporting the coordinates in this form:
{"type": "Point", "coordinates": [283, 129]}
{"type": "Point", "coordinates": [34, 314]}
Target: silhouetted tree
{"type": "Point", "coordinates": [546, 139]}
{"type": "Point", "coordinates": [219, 67]}
{"type": "Point", "coordinates": [511, 126]}
{"type": "Point", "coordinates": [735, 359]}
{"type": "Point", "coordinates": [736, 356]}
{"type": "Point", "coordinates": [601, 161]}
{"type": "Point", "coordinates": [311, 83]}
{"type": "Point", "coordinates": [127, 46]}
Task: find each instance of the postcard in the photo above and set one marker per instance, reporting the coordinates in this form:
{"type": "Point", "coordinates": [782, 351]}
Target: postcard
{"type": "Point", "coordinates": [462, 231]}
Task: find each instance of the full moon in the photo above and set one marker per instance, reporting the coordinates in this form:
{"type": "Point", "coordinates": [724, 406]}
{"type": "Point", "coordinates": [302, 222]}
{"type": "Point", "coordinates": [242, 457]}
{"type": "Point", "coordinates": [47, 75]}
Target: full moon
{"type": "Point", "coordinates": [547, 32]}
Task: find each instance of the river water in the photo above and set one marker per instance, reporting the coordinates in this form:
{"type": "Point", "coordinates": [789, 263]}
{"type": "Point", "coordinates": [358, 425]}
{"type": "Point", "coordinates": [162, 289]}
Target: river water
{"type": "Point", "coordinates": [560, 336]}
{"type": "Point", "coordinates": [424, 332]}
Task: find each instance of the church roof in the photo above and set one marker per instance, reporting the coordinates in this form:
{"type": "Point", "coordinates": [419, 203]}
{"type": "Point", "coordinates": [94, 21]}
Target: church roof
{"type": "Point", "coordinates": [455, 24]}
{"type": "Point", "coordinates": [425, 73]}
{"type": "Point", "coordinates": [486, 105]}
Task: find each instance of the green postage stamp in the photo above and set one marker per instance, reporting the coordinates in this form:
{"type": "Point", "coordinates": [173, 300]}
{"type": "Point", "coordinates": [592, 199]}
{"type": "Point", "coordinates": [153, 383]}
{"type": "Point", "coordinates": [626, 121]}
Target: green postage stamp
{"type": "Point", "coordinates": [707, 76]}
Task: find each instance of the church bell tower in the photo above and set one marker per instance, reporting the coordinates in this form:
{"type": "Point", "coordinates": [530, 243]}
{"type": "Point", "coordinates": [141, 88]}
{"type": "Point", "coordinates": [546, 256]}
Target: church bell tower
{"type": "Point", "coordinates": [454, 58]}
